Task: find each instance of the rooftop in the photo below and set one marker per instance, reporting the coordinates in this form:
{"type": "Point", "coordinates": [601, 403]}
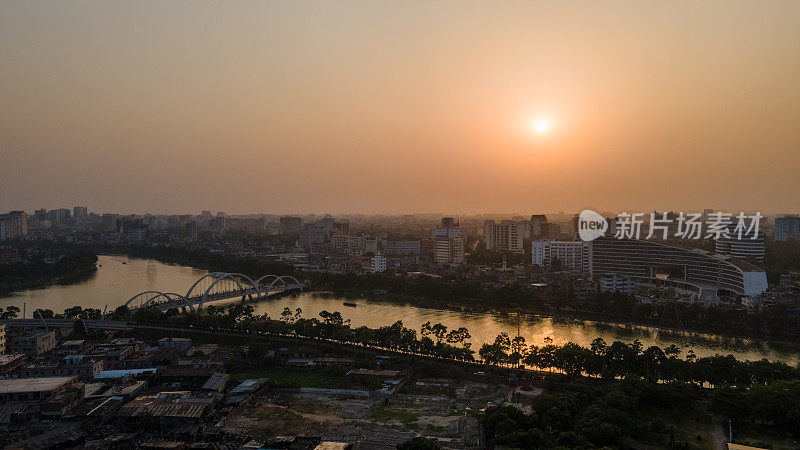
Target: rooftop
{"type": "Point", "coordinates": [5, 359]}
{"type": "Point", "coordinates": [44, 384]}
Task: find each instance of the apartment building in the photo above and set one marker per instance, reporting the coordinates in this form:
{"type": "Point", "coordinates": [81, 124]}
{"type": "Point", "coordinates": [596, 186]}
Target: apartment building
{"type": "Point", "coordinates": [506, 236]}
{"type": "Point", "coordinates": [572, 255]}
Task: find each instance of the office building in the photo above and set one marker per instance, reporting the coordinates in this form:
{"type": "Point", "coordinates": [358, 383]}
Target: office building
{"type": "Point", "coordinates": [80, 211]}
{"type": "Point", "coordinates": [506, 236]}
{"type": "Point", "coordinates": [787, 227]}
{"type": "Point", "coordinates": [709, 275]}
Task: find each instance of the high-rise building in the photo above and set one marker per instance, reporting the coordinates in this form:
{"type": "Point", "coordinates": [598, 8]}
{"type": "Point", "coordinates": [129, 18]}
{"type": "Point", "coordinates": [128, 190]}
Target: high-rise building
{"type": "Point", "coordinates": [191, 230]}
{"type": "Point", "coordinates": [536, 225]}
{"type": "Point", "coordinates": [449, 241]}
{"type": "Point", "coordinates": [80, 211]}
{"type": "Point", "coordinates": [58, 216]}
{"type": "Point", "coordinates": [13, 225]}
{"type": "Point", "coordinates": [399, 248]}
{"type": "Point", "coordinates": [572, 255]}
{"type": "Point", "coordinates": [507, 236]}
{"type": "Point", "coordinates": [550, 231]}
{"type": "Point", "coordinates": [290, 224]}
{"type": "Point", "coordinates": [787, 227]}
{"type": "Point", "coordinates": [311, 234]}
{"type": "Point", "coordinates": [217, 224]}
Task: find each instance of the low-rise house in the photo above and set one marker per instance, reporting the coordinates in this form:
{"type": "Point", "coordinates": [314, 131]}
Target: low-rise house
{"type": "Point", "coordinates": [176, 343]}
{"type": "Point", "coordinates": [112, 355]}
{"type": "Point", "coordinates": [24, 389]}
{"type": "Point", "coordinates": [126, 390]}
{"type": "Point", "coordinates": [96, 411]}
{"type": "Point", "coordinates": [72, 347]}
{"type": "Point", "coordinates": [83, 367]}
{"type": "Point", "coordinates": [9, 363]}
{"type": "Point", "coordinates": [33, 343]}
{"type": "Point", "coordinates": [61, 402]}
{"type": "Point", "coordinates": [169, 408]}
{"type": "Point", "coordinates": [245, 391]}
{"type": "Point", "coordinates": [216, 382]}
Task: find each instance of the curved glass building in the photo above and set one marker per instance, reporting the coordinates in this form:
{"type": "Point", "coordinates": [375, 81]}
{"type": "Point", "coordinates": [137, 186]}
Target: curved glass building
{"type": "Point", "coordinates": [709, 275]}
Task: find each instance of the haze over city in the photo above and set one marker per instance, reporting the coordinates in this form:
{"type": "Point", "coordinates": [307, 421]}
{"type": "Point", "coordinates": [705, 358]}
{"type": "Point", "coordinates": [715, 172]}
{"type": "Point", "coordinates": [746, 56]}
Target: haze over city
{"type": "Point", "coordinates": [399, 107]}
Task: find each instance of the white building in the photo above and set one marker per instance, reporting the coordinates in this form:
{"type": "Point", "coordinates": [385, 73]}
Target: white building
{"type": "Point", "coordinates": [377, 264]}
{"type": "Point", "coordinates": [573, 255]}
{"type": "Point", "coordinates": [507, 236]}
{"type": "Point", "coordinates": [355, 245]}
{"type": "Point", "coordinates": [612, 282]}
{"type": "Point", "coordinates": [449, 241]}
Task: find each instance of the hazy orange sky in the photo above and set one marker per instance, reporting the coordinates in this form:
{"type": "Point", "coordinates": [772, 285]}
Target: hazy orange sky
{"type": "Point", "coordinates": [399, 106]}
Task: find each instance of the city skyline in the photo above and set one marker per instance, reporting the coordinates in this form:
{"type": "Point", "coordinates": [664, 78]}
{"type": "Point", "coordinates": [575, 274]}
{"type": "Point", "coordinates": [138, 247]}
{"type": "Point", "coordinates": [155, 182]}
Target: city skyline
{"type": "Point", "coordinates": [410, 107]}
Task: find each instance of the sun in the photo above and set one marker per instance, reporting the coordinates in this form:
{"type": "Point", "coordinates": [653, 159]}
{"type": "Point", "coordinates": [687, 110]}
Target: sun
{"type": "Point", "coordinates": [541, 125]}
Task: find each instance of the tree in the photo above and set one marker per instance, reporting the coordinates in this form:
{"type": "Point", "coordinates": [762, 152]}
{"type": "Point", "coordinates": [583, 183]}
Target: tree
{"type": "Point", "coordinates": [9, 313]}
{"type": "Point", "coordinates": [287, 315]}
{"type": "Point", "coordinates": [517, 350]}
{"type": "Point", "coordinates": [420, 443]}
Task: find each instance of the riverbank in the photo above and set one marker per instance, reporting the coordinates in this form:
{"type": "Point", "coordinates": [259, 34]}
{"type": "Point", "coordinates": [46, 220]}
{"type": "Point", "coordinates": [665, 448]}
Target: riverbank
{"type": "Point", "coordinates": [675, 318]}
{"type": "Point", "coordinates": [721, 341]}
{"type": "Point", "coordinates": [71, 269]}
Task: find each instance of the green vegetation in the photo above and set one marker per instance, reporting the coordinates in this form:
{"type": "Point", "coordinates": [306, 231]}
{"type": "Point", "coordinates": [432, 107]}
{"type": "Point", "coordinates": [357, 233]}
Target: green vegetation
{"type": "Point", "coordinates": [780, 258]}
{"type": "Point", "coordinates": [777, 403]}
{"type": "Point", "coordinates": [580, 415]}
{"type": "Point", "coordinates": [74, 266]}
{"type": "Point", "coordinates": [386, 414]}
{"type": "Point", "coordinates": [420, 443]}
{"type": "Point", "coordinates": [558, 299]}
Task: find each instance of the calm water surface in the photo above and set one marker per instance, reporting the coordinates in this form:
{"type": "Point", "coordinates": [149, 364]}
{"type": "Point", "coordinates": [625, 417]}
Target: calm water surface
{"type": "Point", "coordinates": [116, 282]}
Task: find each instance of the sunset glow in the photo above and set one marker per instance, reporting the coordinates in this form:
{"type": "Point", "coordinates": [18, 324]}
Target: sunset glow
{"type": "Point", "coordinates": [264, 94]}
{"type": "Point", "coordinates": [541, 126]}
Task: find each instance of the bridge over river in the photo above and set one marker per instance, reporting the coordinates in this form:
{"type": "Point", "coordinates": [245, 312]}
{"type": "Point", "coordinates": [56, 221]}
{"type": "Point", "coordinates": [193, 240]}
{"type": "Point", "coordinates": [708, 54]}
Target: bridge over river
{"type": "Point", "coordinates": [215, 286]}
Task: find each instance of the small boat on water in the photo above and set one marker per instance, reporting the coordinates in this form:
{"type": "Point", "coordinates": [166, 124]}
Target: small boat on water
{"type": "Point", "coordinates": [350, 304]}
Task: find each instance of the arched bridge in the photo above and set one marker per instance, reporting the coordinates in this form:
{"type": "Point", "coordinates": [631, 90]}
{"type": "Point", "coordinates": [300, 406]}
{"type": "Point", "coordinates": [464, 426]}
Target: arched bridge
{"type": "Point", "coordinates": [215, 286]}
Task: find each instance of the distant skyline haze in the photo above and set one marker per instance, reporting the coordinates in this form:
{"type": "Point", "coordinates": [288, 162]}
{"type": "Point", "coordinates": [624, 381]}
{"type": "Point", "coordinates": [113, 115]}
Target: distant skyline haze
{"type": "Point", "coordinates": [400, 107]}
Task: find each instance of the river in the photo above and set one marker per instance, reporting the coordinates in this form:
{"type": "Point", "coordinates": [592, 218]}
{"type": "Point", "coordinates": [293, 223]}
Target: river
{"type": "Point", "coordinates": [119, 278]}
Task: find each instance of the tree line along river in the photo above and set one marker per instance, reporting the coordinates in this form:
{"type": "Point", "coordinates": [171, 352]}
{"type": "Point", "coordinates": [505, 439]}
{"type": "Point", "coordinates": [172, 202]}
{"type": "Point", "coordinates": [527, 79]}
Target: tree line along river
{"type": "Point", "coordinates": [119, 278]}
